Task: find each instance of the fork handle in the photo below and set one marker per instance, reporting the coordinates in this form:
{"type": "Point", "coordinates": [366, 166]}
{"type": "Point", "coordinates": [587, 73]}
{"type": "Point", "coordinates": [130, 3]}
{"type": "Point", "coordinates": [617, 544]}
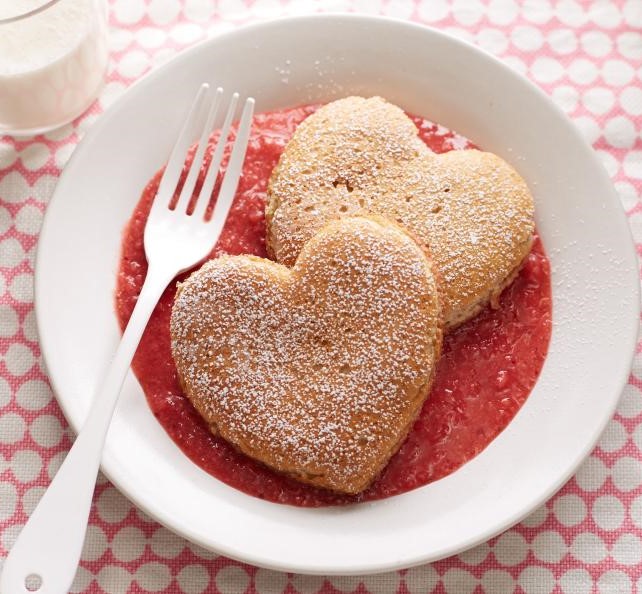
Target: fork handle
{"type": "Point", "coordinates": [51, 541]}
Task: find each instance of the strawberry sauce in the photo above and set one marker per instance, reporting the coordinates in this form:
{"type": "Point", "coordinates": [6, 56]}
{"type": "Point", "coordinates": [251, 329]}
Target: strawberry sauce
{"type": "Point", "coordinates": [487, 370]}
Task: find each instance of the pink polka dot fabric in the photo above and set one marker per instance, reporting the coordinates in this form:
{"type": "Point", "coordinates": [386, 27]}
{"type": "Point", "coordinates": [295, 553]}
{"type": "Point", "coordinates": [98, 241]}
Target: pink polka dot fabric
{"type": "Point", "coordinates": [587, 55]}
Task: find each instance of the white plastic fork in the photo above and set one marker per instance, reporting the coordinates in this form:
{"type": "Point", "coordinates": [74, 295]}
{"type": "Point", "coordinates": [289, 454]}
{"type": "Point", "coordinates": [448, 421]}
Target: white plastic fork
{"type": "Point", "coordinates": [45, 556]}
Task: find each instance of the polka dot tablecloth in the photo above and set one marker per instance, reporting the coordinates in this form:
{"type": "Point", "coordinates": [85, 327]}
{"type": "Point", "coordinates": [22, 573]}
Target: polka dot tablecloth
{"type": "Point", "coordinates": [587, 55]}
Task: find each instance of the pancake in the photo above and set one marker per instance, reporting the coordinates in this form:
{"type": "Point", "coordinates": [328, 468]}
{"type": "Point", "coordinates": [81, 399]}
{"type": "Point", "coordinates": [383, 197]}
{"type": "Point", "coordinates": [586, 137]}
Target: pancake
{"type": "Point", "coordinates": [359, 156]}
{"type": "Point", "coordinates": [319, 370]}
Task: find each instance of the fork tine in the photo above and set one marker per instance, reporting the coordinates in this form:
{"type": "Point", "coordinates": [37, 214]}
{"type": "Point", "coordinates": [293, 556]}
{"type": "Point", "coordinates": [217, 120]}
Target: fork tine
{"type": "Point", "coordinates": [176, 161]}
{"type": "Point", "coordinates": [190, 182]}
{"type": "Point", "coordinates": [215, 163]}
{"type": "Point", "coordinates": [234, 168]}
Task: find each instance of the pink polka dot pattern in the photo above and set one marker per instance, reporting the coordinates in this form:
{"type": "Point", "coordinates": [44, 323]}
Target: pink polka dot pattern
{"type": "Point", "coordinates": [587, 55]}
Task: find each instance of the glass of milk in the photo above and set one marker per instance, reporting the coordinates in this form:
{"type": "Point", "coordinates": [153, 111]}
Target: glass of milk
{"type": "Point", "coordinates": [53, 57]}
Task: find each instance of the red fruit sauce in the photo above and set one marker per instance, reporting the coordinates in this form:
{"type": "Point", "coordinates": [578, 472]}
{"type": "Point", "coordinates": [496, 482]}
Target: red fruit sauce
{"type": "Point", "coordinates": [488, 368]}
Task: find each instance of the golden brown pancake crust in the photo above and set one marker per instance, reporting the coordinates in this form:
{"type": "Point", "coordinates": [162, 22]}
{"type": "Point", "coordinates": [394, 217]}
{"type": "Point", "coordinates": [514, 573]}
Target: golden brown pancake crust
{"type": "Point", "coordinates": [360, 156]}
{"type": "Point", "coordinates": [318, 371]}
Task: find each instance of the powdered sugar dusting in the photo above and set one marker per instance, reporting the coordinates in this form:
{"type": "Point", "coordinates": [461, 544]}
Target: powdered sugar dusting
{"type": "Point", "coordinates": [359, 156]}
{"type": "Point", "coordinates": [318, 371]}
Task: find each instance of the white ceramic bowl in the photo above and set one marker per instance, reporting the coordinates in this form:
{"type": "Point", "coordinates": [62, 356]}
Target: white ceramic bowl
{"type": "Point", "coordinates": [319, 58]}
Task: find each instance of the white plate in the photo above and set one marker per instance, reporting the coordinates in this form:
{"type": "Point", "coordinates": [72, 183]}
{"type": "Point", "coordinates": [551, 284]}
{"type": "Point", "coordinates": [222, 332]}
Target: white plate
{"type": "Point", "coordinates": [288, 62]}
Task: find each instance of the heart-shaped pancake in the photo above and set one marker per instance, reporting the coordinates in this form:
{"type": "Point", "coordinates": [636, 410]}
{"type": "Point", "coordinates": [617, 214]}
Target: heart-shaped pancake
{"type": "Point", "coordinates": [359, 156]}
{"type": "Point", "coordinates": [317, 370]}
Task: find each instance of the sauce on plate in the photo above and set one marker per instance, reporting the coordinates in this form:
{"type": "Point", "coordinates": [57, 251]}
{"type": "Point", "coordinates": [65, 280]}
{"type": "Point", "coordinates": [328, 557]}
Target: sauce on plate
{"type": "Point", "coordinates": [487, 370]}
